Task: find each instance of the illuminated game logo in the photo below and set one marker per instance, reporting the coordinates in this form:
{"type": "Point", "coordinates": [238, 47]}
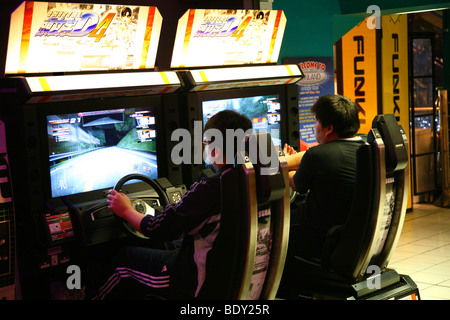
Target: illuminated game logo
{"type": "Point", "coordinates": [207, 37]}
{"type": "Point", "coordinates": [228, 26]}
{"type": "Point", "coordinates": [76, 24]}
{"type": "Point", "coordinates": [77, 37]}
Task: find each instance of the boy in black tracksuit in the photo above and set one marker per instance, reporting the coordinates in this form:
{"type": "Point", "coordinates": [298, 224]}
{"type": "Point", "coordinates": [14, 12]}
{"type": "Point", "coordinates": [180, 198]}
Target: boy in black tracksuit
{"type": "Point", "coordinates": [175, 273]}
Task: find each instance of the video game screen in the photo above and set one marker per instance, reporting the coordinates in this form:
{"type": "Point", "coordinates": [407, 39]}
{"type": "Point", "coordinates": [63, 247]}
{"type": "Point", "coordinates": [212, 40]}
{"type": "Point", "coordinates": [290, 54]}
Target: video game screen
{"type": "Point", "coordinates": [263, 111]}
{"type": "Point", "coordinates": [93, 150]}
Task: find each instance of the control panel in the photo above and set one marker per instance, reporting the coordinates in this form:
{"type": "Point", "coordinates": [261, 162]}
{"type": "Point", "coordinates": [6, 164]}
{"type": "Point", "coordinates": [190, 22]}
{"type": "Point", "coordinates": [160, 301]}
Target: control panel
{"type": "Point", "coordinates": [90, 223]}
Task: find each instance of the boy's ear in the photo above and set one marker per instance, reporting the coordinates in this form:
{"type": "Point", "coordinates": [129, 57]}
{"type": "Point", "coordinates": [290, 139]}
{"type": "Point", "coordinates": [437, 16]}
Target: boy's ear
{"type": "Point", "coordinates": [216, 153]}
{"type": "Point", "coordinates": [329, 129]}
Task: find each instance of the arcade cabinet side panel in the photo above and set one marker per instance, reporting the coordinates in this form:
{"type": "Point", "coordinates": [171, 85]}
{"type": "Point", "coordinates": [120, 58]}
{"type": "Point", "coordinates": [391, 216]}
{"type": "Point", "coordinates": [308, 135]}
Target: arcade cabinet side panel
{"type": "Point", "coordinates": [7, 234]}
{"type": "Point", "coordinates": [292, 117]}
{"type": "Point", "coordinates": [173, 172]}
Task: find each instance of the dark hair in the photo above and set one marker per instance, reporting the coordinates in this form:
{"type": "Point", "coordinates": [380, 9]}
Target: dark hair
{"type": "Point", "coordinates": [125, 11]}
{"type": "Point", "coordinates": [339, 111]}
{"type": "Point", "coordinates": [229, 119]}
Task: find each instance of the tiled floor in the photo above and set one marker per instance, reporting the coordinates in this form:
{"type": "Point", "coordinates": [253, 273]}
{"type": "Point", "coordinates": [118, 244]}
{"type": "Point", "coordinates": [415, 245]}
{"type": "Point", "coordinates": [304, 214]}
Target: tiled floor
{"type": "Point", "coordinates": [423, 251]}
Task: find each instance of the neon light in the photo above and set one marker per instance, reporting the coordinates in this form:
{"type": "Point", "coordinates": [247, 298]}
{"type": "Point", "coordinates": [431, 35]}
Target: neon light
{"type": "Point", "coordinates": [99, 81]}
{"type": "Point", "coordinates": [245, 73]}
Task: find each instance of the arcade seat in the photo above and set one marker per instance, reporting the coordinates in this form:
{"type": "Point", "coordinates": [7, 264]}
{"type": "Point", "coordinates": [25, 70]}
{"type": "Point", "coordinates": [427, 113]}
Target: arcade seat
{"type": "Point", "coordinates": [247, 259]}
{"type": "Point", "coordinates": [356, 254]}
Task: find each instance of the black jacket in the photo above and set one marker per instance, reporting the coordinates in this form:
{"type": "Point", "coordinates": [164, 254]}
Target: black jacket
{"type": "Point", "coordinates": [196, 218]}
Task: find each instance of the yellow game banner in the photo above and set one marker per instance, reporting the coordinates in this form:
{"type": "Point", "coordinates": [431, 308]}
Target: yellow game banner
{"type": "Point", "coordinates": [394, 55]}
{"type": "Point", "coordinates": [359, 72]}
{"type": "Point", "coordinates": [394, 66]}
{"type": "Point", "coordinates": [228, 37]}
{"type": "Point", "coordinates": [47, 37]}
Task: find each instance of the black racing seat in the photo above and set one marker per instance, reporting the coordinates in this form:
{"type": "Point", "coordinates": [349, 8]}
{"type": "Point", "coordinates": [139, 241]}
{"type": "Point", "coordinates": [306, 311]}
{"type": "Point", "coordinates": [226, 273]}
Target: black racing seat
{"type": "Point", "coordinates": [247, 258]}
{"type": "Point", "coordinates": [356, 254]}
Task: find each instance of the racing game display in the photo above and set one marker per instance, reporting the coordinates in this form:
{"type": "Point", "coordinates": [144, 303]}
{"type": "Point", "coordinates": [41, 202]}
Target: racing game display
{"type": "Point", "coordinates": [263, 111]}
{"type": "Point", "coordinates": [93, 150]}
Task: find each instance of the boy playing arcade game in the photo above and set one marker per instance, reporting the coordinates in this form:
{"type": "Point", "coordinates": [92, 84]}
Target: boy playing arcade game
{"type": "Point", "coordinates": [324, 174]}
{"type": "Point", "coordinates": [175, 273]}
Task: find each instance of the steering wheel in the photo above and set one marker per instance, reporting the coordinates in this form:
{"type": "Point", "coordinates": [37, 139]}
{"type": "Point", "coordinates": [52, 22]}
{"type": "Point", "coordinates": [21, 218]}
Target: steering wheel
{"type": "Point", "coordinates": [140, 205]}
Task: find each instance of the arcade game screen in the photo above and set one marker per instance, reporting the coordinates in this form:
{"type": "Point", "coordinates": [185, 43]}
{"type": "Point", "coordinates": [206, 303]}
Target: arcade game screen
{"type": "Point", "coordinates": [93, 150]}
{"type": "Point", "coordinates": [263, 111]}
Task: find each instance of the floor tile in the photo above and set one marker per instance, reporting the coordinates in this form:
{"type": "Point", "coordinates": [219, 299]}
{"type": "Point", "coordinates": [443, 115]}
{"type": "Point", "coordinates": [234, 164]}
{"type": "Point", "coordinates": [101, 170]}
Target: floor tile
{"type": "Point", "coordinates": [436, 292]}
{"type": "Point", "coordinates": [423, 250]}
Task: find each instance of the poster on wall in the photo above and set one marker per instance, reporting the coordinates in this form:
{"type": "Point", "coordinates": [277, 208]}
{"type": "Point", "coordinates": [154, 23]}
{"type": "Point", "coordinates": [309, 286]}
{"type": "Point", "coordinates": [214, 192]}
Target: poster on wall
{"type": "Point", "coordinates": [395, 71]}
{"type": "Point", "coordinates": [318, 81]}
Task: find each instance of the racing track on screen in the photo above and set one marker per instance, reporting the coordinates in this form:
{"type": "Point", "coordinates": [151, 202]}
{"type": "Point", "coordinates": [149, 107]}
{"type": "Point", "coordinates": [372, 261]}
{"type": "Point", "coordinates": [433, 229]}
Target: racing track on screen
{"type": "Point", "coordinates": [100, 169]}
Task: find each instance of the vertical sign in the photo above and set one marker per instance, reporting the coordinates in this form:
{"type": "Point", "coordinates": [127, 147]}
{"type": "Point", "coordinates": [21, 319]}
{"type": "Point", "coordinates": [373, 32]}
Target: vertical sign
{"type": "Point", "coordinates": [318, 81]}
{"type": "Point", "coordinates": [360, 72]}
{"type": "Point", "coordinates": [394, 46]}
{"type": "Point", "coordinates": [394, 57]}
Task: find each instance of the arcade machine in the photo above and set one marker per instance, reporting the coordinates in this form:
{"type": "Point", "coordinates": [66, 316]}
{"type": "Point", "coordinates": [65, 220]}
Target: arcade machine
{"type": "Point", "coordinates": [81, 107]}
{"type": "Point", "coordinates": [228, 60]}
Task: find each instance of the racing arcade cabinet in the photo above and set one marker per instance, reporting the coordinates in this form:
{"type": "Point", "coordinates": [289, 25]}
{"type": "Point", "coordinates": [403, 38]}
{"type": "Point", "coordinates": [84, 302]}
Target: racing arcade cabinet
{"type": "Point", "coordinates": [227, 60]}
{"type": "Point", "coordinates": [354, 263]}
{"type": "Point", "coordinates": [82, 108]}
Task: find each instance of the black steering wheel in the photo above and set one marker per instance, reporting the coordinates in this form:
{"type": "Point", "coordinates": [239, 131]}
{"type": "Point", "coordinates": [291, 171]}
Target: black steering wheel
{"type": "Point", "coordinates": [138, 204]}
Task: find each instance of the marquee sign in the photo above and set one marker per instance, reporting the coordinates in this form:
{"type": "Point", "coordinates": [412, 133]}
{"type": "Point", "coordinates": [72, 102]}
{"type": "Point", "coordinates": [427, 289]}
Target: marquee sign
{"type": "Point", "coordinates": [48, 37]}
{"type": "Point", "coordinates": [228, 37]}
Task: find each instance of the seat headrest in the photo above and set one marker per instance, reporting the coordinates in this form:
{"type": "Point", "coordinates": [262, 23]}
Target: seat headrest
{"type": "Point", "coordinates": [260, 151]}
{"type": "Point", "coordinates": [392, 135]}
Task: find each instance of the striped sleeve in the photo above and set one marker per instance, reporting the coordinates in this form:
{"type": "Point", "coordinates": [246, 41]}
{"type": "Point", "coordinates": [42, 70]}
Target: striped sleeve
{"type": "Point", "coordinates": [200, 202]}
